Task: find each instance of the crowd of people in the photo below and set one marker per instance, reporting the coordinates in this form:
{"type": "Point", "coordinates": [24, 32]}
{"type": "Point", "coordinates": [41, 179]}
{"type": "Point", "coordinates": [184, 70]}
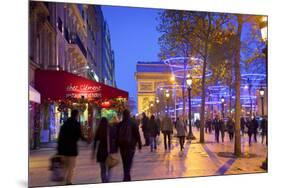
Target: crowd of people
{"type": "Point", "coordinates": [124, 137]}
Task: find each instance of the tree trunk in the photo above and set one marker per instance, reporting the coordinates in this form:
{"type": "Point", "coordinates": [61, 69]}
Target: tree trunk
{"type": "Point", "coordinates": [183, 91]}
{"type": "Point", "coordinates": [237, 146]}
{"type": "Point", "coordinates": [202, 122]}
{"type": "Point", "coordinates": [202, 114]}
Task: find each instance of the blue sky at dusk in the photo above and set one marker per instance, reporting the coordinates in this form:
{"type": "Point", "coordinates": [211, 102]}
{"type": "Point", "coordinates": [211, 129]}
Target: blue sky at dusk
{"type": "Point", "coordinates": [133, 38]}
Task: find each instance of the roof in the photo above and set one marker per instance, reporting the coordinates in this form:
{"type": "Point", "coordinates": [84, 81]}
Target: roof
{"type": "Point", "coordinates": [152, 66]}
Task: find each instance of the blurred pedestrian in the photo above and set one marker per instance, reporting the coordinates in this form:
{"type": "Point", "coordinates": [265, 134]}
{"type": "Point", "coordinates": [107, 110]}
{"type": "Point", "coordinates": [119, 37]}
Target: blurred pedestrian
{"type": "Point", "coordinates": [251, 129]}
{"type": "Point", "coordinates": [230, 128]}
{"type": "Point", "coordinates": [153, 132]}
{"type": "Point", "coordinates": [70, 133]}
{"type": "Point", "coordinates": [255, 127]}
{"type": "Point", "coordinates": [103, 139]}
{"type": "Point", "coordinates": [144, 123]}
{"type": "Point", "coordinates": [181, 131]}
{"type": "Point", "coordinates": [217, 126]}
{"type": "Point", "coordinates": [128, 138]}
{"type": "Point", "coordinates": [167, 130]}
{"type": "Point", "coordinates": [208, 126]}
{"type": "Point", "coordinates": [264, 129]}
{"type": "Point", "coordinates": [197, 124]}
{"type": "Point", "coordinates": [222, 129]}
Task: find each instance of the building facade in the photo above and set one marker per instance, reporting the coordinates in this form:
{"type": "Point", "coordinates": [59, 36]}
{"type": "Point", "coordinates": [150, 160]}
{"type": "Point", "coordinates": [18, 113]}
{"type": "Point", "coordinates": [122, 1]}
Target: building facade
{"type": "Point", "coordinates": [65, 37]}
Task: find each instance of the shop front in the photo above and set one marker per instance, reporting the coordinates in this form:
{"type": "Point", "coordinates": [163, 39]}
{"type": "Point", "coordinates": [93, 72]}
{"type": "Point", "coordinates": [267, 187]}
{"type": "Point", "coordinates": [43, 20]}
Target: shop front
{"type": "Point", "coordinates": [62, 91]}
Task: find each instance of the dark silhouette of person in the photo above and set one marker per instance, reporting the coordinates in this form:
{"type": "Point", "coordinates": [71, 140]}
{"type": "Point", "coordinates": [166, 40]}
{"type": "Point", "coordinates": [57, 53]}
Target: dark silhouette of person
{"type": "Point", "coordinates": [230, 128]}
{"type": "Point", "coordinates": [104, 138]}
{"type": "Point", "coordinates": [153, 131]}
{"type": "Point", "coordinates": [128, 137]}
{"type": "Point", "coordinates": [167, 130]}
{"type": "Point", "coordinates": [144, 127]}
{"type": "Point", "coordinates": [70, 133]}
{"type": "Point", "coordinates": [217, 126]}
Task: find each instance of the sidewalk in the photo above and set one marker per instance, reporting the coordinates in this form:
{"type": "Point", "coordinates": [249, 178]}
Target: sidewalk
{"type": "Point", "coordinates": [196, 160]}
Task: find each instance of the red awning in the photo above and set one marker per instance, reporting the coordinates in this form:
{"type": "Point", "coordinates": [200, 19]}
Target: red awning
{"type": "Point", "coordinates": [59, 85]}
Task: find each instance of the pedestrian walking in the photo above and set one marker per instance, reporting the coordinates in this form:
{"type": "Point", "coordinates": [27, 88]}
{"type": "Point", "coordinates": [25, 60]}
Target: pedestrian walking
{"type": "Point", "coordinates": [70, 133]}
{"type": "Point", "coordinates": [217, 126]}
{"type": "Point", "coordinates": [230, 128]}
{"type": "Point", "coordinates": [208, 126]}
{"type": "Point", "coordinates": [222, 129]}
{"type": "Point", "coordinates": [251, 129]}
{"type": "Point", "coordinates": [181, 131]}
{"type": "Point", "coordinates": [103, 138]}
{"type": "Point", "coordinates": [264, 129]}
{"type": "Point", "coordinates": [197, 124]}
{"type": "Point", "coordinates": [255, 127]}
{"type": "Point", "coordinates": [127, 139]}
{"type": "Point", "coordinates": [144, 127]}
{"type": "Point", "coordinates": [153, 132]}
{"type": "Point", "coordinates": [167, 130]}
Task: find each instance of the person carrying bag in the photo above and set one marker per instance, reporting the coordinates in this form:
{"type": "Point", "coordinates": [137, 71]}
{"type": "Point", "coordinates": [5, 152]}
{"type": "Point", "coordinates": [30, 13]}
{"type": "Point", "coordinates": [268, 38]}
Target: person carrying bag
{"type": "Point", "coordinates": [104, 156]}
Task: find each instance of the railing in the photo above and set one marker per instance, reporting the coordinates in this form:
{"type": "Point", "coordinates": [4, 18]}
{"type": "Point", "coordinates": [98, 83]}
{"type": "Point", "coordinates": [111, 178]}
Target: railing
{"type": "Point", "coordinates": [75, 39]}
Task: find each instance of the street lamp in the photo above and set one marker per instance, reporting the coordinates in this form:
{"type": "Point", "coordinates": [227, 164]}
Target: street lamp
{"type": "Point", "coordinates": [222, 106]}
{"type": "Point", "coordinates": [157, 106]}
{"type": "Point", "coordinates": [189, 83]}
{"type": "Point", "coordinates": [261, 91]}
{"type": "Point", "coordinates": [172, 78]}
{"type": "Point", "coordinates": [263, 26]}
{"type": "Point", "coordinates": [167, 97]}
{"type": "Point", "coordinates": [250, 97]}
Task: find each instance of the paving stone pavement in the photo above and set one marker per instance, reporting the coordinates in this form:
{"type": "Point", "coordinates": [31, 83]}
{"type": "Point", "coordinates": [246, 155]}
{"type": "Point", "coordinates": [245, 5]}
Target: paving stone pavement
{"type": "Point", "coordinates": [195, 160]}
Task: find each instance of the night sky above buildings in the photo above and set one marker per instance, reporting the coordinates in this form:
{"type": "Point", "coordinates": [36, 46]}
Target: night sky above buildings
{"type": "Point", "coordinates": [133, 38]}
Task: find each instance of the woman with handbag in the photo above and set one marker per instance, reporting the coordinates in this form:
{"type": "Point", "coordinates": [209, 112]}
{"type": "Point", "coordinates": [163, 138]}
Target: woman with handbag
{"type": "Point", "coordinates": [103, 156]}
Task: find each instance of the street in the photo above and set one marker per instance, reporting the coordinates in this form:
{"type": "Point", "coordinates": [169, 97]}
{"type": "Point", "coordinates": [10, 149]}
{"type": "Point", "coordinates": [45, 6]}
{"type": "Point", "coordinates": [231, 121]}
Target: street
{"type": "Point", "coordinates": [196, 160]}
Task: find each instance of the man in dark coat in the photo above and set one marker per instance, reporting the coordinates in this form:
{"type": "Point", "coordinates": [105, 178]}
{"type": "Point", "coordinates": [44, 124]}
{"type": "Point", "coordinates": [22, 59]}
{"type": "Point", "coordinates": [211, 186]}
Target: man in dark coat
{"type": "Point", "coordinates": [144, 123]}
{"type": "Point", "coordinates": [153, 131]}
{"type": "Point", "coordinates": [127, 139]}
{"type": "Point", "coordinates": [217, 125]}
{"type": "Point", "coordinates": [69, 135]}
{"type": "Point", "coordinates": [230, 128]}
{"type": "Point", "coordinates": [255, 127]}
{"type": "Point", "coordinates": [251, 129]}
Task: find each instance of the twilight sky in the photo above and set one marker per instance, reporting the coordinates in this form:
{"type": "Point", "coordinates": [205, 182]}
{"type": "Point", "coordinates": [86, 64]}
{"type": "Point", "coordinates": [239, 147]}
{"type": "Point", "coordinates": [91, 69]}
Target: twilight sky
{"type": "Point", "coordinates": [133, 38]}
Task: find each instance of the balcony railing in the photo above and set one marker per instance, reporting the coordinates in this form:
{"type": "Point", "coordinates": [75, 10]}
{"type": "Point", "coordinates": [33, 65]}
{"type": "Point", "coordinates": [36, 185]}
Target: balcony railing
{"type": "Point", "coordinates": [75, 39]}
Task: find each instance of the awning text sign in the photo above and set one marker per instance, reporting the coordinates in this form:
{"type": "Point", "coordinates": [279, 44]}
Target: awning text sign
{"type": "Point", "coordinates": [58, 85]}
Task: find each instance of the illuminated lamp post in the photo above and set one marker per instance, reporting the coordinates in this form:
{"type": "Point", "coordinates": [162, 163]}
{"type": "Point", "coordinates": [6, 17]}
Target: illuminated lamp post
{"type": "Point", "coordinates": [263, 26]}
{"type": "Point", "coordinates": [261, 91]}
{"type": "Point", "coordinates": [167, 98]}
{"type": "Point", "coordinates": [157, 106]}
{"type": "Point", "coordinates": [222, 106]}
{"type": "Point", "coordinates": [190, 135]}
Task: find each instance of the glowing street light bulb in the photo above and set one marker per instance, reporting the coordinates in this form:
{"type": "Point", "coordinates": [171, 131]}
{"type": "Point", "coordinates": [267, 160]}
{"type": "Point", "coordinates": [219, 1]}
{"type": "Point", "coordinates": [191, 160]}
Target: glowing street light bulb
{"type": "Point", "coordinates": [188, 80]}
{"type": "Point", "coordinates": [157, 101]}
{"type": "Point", "coordinates": [172, 78]}
{"type": "Point", "coordinates": [167, 95]}
{"type": "Point", "coordinates": [261, 92]}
